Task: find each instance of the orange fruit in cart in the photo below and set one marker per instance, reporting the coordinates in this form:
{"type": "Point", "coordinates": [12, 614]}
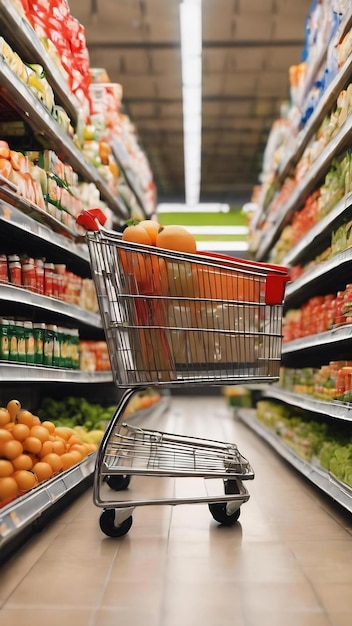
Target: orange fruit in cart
{"type": "Point", "coordinates": [152, 229]}
{"type": "Point", "coordinates": [137, 234]}
{"type": "Point", "coordinates": [176, 238]}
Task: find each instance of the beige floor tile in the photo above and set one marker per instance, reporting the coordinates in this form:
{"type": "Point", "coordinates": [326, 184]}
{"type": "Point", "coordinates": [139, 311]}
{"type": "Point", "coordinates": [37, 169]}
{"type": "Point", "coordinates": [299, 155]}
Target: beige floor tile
{"type": "Point", "coordinates": [202, 603]}
{"type": "Point", "coordinates": [53, 616]}
{"type": "Point", "coordinates": [341, 619]}
{"type": "Point", "coordinates": [335, 597]}
{"type": "Point", "coordinates": [279, 597]}
{"type": "Point", "coordinates": [125, 616]}
{"type": "Point", "coordinates": [285, 618]}
{"type": "Point", "coordinates": [60, 584]}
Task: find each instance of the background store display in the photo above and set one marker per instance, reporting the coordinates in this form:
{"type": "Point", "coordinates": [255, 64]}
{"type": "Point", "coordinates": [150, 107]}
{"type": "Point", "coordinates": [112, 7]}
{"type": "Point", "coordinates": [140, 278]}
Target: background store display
{"type": "Point", "coordinates": [302, 218]}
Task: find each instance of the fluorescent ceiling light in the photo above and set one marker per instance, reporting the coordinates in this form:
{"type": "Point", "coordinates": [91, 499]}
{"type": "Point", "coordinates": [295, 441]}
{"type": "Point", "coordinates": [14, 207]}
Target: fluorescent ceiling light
{"type": "Point", "coordinates": [191, 58]}
{"type": "Point", "coordinates": [210, 207]}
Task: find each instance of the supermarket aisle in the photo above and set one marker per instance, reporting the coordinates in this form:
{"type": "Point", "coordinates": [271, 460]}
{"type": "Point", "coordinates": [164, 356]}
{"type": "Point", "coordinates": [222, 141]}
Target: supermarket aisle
{"type": "Point", "coordinates": [288, 561]}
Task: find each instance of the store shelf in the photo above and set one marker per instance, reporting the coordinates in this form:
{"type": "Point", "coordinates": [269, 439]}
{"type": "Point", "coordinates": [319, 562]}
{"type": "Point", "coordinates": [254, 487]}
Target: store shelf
{"type": "Point", "coordinates": [317, 170]}
{"type": "Point", "coordinates": [38, 117]}
{"type": "Point", "coordinates": [310, 240]}
{"type": "Point", "coordinates": [28, 373]}
{"type": "Point", "coordinates": [336, 337]}
{"type": "Point", "coordinates": [12, 293]}
{"type": "Point", "coordinates": [330, 485]}
{"type": "Point", "coordinates": [26, 222]}
{"type": "Point", "coordinates": [321, 274]}
{"type": "Point", "coordinates": [323, 107]}
{"type": "Point", "coordinates": [335, 410]}
{"type": "Point", "coordinates": [22, 512]}
{"type": "Point", "coordinates": [122, 157]}
{"type": "Point", "coordinates": [28, 45]}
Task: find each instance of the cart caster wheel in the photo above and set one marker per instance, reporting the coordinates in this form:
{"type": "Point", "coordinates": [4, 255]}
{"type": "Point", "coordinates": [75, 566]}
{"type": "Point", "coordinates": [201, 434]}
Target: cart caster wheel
{"type": "Point", "coordinates": [118, 482]}
{"type": "Point", "coordinates": [218, 509]}
{"type": "Point", "coordinates": [107, 524]}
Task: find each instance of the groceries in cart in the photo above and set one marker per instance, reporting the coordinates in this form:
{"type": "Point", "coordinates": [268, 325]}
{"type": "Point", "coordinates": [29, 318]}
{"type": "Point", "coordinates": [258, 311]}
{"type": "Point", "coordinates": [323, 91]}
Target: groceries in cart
{"type": "Point", "coordinates": [174, 316]}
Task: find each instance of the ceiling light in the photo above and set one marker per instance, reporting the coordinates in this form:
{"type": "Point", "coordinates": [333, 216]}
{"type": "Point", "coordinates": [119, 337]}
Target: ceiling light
{"type": "Point", "coordinates": [191, 58]}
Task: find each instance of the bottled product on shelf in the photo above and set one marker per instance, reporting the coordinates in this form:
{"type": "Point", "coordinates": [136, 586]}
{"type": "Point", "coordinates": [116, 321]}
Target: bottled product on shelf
{"type": "Point", "coordinates": [302, 219]}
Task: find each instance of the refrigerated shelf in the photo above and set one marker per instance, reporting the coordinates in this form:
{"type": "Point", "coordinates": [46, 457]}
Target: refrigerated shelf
{"type": "Point", "coordinates": [29, 373]}
{"type": "Point", "coordinates": [334, 409]}
{"type": "Point", "coordinates": [321, 478]}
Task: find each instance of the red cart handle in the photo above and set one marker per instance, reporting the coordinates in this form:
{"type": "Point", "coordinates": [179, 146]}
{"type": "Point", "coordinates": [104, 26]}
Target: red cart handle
{"type": "Point", "coordinates": [91, 219]}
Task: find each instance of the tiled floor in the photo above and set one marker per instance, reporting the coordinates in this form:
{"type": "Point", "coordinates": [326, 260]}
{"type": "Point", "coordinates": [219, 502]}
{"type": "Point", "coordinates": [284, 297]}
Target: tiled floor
{"type": "Point", "coordinates": [287, 562]}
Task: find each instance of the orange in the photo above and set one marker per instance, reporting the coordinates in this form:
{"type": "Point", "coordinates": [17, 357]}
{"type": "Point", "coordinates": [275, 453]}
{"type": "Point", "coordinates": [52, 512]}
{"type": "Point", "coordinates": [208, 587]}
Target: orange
{"type": "Point", "coordinates": [152, 229]}
{"type": "Point", "coordinates": [40, 433]}
{"type": "Point", "coordinates": [47, 448]}
{"type": "Point", "coordinates": [5, 416]}
{"type": "Point", "coordinates": [50, 426]}
{"type": "Point", "coordinates": [68, 460]}
{"type": "Point", "coordinates": [137, 234]}
{"type": "Point", "coordinates": [24, 417]}
{"type": "Point", "coordinates": [12, 449]}
{"type": "Point", "coordinates": [32, 444]}
{"type": "Point", "coordinates": [54, 461]}
{"type": "Point", "coordinates": [42, 470]}
{"type": "Point", "coordinates": [13, 407]}
{"type": "Point", "coordinates": [6, 468]}
{"type": "Point", "coordinates": [20, 432]}
{"type": "Point", "coordinates": [59, 446]}
{"type": "Point", "coordinates": [22, 462]}
{"type": "Point", "coordinates": [25, 480]}
{"type": "Point", "coordinates": [176, 238]}
{"type": "Point", "coordinates": [8, 488]}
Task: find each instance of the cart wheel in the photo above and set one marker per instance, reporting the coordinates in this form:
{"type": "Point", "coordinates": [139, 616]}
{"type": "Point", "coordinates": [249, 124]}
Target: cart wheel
{"type": "Point", "coordinates": [107, 524]}
{"type": "Point", "coordinates": [218, 509]}
{"type": "Point", "coordinates": [118, 482]}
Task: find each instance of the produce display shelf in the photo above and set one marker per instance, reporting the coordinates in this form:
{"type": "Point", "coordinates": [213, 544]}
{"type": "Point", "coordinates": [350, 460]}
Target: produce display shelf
{"type": "Point", "coordinates": [38, 117]}
{"type": "Point", "coordinates": [334, 409]}
{"type": "Point", "coordinates": [317, 170]}
{"type": "Point", "coordinates": [13, 293]}
{"type": "Point", "coordinates": [31, 49]}
{"type": "Point", "coordinates": [335, 337]}
{"type": "Point", "coordinates": [28, 373]}
{"type": "Point", "coordinates": [318, 273]}
{"type": "Point", "coordinates": [26, 509]}
{"type": "Point", "coordinates": [319, 231]}
{"type": "Point", "coordinates": [321, 478]}
{"type": "Point", "coordinates": [27, 218]}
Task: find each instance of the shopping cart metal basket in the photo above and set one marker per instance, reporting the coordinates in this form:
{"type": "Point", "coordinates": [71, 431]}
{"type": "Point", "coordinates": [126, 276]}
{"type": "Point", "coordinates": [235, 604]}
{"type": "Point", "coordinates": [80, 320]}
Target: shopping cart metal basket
{"type": "Point", "coordinates": [174, 319]}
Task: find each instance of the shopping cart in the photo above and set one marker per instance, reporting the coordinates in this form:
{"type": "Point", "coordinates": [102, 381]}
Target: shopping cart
{"type": "Point", "coordinates": [174, 319]}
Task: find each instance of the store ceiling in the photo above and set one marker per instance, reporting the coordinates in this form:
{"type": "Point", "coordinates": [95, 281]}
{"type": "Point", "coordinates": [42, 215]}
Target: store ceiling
{"type": "Point", "coordinates": [248, 46]}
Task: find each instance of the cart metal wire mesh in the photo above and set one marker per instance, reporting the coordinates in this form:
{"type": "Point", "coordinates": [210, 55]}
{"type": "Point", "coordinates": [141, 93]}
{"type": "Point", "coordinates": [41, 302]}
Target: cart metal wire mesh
{"type": "Point", "coordinates": [172, 318]}
{"type": "Point", "coordinates": [148, 452]}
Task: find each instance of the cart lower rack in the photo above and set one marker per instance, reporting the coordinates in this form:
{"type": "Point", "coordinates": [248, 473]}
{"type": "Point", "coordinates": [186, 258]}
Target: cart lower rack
{"type": "Point", "coordinates": [179, 319]}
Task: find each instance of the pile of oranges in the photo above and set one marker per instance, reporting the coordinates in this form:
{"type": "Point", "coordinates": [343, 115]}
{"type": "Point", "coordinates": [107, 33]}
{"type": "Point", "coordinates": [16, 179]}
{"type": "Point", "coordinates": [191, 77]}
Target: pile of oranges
{"type": "Point", "coordinates": [32, 451]}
